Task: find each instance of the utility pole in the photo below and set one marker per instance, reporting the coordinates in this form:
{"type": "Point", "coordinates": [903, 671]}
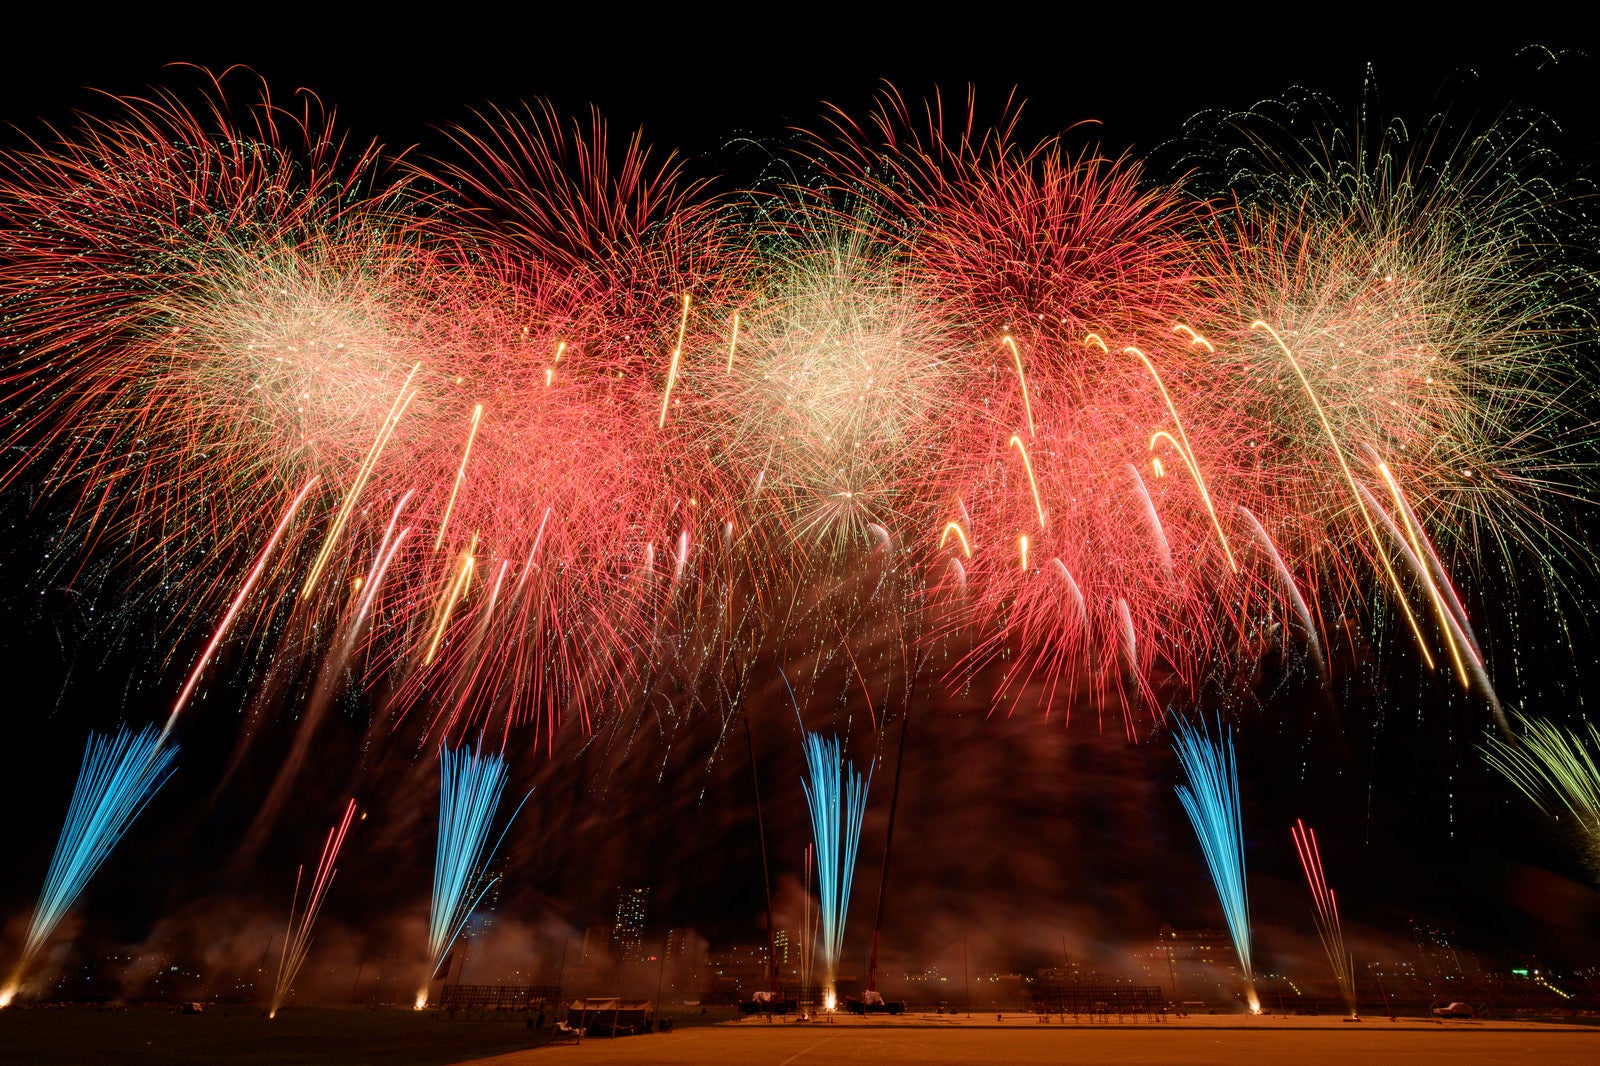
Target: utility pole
{"type": "Point", "coordinates": [966, 978]}
{"type": "Point", "coordinates": [761, 831]}
{"type": "Point", "coordinates": [661, 976]}
{"type": "Point", "coordinates": [888, 841]}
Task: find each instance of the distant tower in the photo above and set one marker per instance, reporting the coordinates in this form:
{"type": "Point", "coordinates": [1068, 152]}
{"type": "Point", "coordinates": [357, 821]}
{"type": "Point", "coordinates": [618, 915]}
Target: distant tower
{"type": "Point", "coordinates": [596, 943]}
{"type": "Point", "coordinates": [781, 947]}
{"type": "Point", "coordinates": [676, 947]}
{"type": "Point", "coordinates": [627, 932]}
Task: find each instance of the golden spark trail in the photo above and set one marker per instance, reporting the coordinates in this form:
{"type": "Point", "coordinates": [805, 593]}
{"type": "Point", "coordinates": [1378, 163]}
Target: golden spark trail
{"type": "Point", "coordinates": [1441, 579]}
{"type": "Point", "coordinates": [457, 587]}
{"type": "Point", "coordinates": [1446, 619]}
{"type": "Point", "coordinates": [961, 535]}
{"type": "Point", "coordinates": [732, 343]}
{"type": "Point", "coordinates": [1093, 340]}
{"type": "Point", "coordinates": [1016, 357]}
{"type": "Point", "coordinates": [672, 370]}
{"type": "Point", "coordinates": [550, 371]}
{"type": "Point", "coordinates": [238, 602]}
{"type": "Point", "coordinates": [1187, 453]}
{"type": "Point", "coordinates": [363, 472]}
{"type": "Point", "coordinates": [1034, 485]}
{"type": "Point", "coordinates": [461, 475]}
{"type": "Point", "coordinates": [1022, 542]}
{"type": "Point", "coordinates": [1195, 340]}
{"type": "Point", "coordinates": [1372, 529]}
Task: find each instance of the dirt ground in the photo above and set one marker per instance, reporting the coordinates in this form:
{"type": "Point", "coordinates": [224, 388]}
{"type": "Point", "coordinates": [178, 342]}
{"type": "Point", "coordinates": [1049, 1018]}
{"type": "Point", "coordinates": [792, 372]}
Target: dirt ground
{"type": "Point", "coordinates": [242, 1037]}
{"type": "Point", "coordinates": [1022, 1041]}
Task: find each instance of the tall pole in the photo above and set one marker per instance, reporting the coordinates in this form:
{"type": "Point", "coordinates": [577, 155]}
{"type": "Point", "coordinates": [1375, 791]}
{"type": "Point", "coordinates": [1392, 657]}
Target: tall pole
{"type": "Point", "coordinates": [888, 841]}
{"type": "Point", "coordinates": [808, 941]}
{"type": "Point", "coordinates": [356, 988]}
{"type": "Point", "coordinates": [966, 979]}
{"type": "Point", "coordinates": [761, 831]}
{"type": "Point", "coordinates": [661, 977]}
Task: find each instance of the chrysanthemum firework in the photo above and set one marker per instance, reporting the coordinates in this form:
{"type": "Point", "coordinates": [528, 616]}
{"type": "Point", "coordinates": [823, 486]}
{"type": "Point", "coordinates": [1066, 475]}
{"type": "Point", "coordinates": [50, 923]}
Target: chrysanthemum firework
{"type": "Point", "coordinates": [565, 428]}
{"type": "Point", "coordinates": [1051, 266]}
{"type": "Point", "coordinates": [203, 309]}
{"type": "Point", "coordinates": [1401, 318]}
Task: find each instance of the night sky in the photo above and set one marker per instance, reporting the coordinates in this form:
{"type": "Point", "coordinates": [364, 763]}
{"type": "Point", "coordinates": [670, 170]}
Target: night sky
{"type": "Point", "coordinates": [1014, 833]}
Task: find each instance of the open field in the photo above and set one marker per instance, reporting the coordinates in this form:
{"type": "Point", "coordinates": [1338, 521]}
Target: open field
{"type": "Point", "coordinates": [1023, 1041]}
{"type": "Point", "coordinates": [242, 1037]}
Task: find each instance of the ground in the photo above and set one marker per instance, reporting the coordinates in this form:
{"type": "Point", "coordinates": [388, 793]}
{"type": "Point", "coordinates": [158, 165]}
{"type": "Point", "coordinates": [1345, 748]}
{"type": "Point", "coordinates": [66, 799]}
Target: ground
{"type": "Point", "coordinates": [242, 1037]}
{"type": "Point", "coordinates": [1021, 1040]}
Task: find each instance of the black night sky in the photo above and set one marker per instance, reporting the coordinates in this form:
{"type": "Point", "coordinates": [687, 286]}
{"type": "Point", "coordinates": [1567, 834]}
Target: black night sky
{"type": "Point", "coordinates": [1018, 833]}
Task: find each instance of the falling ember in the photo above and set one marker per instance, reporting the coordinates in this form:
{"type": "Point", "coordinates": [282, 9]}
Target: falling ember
{"type": "Point", "coordinates": [1338, 453]}
{"type": "Point", "coordinates": [1022, 379]}
{"type": "Point", "coordinates": [960, 534]}
{"type": "Point", "coordinates": [1033, 485]}
{"type": "Point", "coordinates": [457, 589]}
{"type": "Point", "coordinates": [1307, 623]}
{"type": "Point", "coordinates": [1186, 452]}
{"type": "Point", "coordinates": [461, 475]}
{"type": "Point", "coordinates": [359, 482]}
{"type": "Point", "coordinates": [1447, 621]}
{"type": "Point", "coordinates": [672, 369]}
{"type": "Point", "coordinates": [527, 565]}
{"type": "Point", "coordinates": [233, 610]}
{"type": "Point", "coordinates": [1194, 338]}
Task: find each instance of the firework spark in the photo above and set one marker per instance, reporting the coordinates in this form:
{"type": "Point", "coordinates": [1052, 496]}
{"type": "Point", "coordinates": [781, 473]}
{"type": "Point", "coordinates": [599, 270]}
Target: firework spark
{"type": "Point", "coordinates": [297, 939]}
{"type": "Point", "coordinates": [1326, 913]}
{"type": "Point", "coordinates": [120, 774]}
{"type": "Point", "coordinates": [470, 784]}
{"type": "Point", "coordinates": [1211, 800]}
{"type": "Point", "coordinates": [1557, 768]}
{"type": "Point", "coordinates": [836, 794]}
{"type": "Point", "coordinates": [657, 434]}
